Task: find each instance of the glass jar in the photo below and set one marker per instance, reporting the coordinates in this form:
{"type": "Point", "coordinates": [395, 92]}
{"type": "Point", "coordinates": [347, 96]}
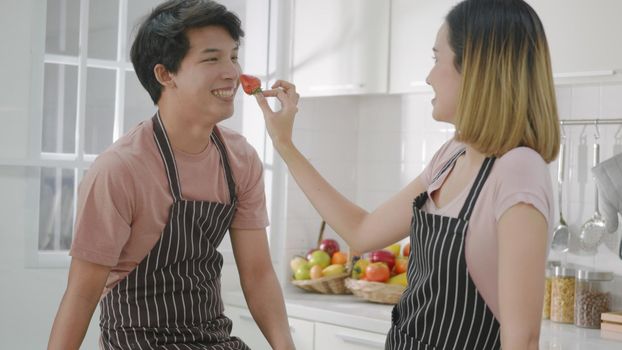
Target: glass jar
{"type": "Point", "coordinates": [591, 297]}
{"type": "Point", "coordinates": [548, 274]}
{"type": "Point", "coordinates": [562, 294]}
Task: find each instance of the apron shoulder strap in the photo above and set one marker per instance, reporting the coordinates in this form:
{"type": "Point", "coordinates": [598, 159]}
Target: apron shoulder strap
{"type": "Point", "coordinates": [166, 151]}
{"type": "Point", "coordinates": [482, 176]}
{"type": "Point", "coordinates": [222, 150]}
{"type": "Point", "coordinates": [448, 164]}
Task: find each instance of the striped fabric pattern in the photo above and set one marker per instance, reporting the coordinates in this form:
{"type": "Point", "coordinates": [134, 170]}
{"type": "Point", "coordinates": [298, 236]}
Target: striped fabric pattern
{"type": "Point", "coordinates": [171, 300]}
{"type": "Point", "coordinates": [441, 307]}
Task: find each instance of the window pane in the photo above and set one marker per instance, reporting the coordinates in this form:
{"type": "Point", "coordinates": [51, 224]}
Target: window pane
{"type": "Point", "coordinates": [63, 27]}
{"type": "Point", "coordinates": [60, 93]}
{"type": "Point", "coordinates": [99, 118]}
{"type": "Point", "coordinates": [136, 11]}
{"type": "Point", "coordinates": [56, 208]}
{"type": "Point", "coordinates": [138, 104]}
{"type": "Point", "coordinates": [103, 29]}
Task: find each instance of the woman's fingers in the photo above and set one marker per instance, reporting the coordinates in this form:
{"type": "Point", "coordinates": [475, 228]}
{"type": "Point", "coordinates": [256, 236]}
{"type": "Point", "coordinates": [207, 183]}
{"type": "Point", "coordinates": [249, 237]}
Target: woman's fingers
{"type": "Point", "coordinates": [263, 103]}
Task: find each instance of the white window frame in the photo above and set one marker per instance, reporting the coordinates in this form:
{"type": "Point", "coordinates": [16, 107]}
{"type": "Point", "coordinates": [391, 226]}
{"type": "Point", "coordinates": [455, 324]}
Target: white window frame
{"type": "Point", "coordinates": [80, 161]}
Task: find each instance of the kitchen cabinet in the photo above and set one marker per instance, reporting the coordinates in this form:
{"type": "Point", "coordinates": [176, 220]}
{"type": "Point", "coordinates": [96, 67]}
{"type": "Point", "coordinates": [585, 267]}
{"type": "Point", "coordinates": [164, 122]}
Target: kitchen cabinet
{"type": "Point", "coordinates": [340, 47]}
{"type": "Point", "coordinates": [414, 24]}
{"type": "Point", "coordinates": [245, 328]}
{"type": "Point", "coordinates": [583, 36]}
{"type": "Point", "coordinates": [335, 337]}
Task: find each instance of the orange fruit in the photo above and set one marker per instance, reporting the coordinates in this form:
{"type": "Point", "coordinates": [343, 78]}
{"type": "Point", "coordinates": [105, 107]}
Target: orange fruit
{"type": "Point", "coordinates": [339, 258]}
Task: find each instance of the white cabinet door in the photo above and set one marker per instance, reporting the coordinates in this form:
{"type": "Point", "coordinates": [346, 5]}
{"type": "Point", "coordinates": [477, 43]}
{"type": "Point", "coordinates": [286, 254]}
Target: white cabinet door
{"type": "Point", "coordinates": [334, 337]}
{"type": "Point", "coordinates": [302, 333]}
{"type": "Point", "coordinates": [414, 24]}
{"type": "Point", "coordinates": [585, 37]}
{"type": "Point", "coordinates": [245, 328]}
{"type": "Point", "coordinates": [340, 47]}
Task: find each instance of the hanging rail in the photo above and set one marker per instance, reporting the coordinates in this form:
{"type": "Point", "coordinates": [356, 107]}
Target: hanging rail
{"type": "Point", "coordinates": [605, 121]}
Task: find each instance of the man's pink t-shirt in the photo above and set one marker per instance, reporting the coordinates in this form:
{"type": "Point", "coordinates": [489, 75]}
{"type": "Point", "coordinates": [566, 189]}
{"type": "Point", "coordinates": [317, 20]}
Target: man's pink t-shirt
{"type": "Point", "coordinates": [124, 198]}
{"type": "Point", "coordinates": [519, 176]}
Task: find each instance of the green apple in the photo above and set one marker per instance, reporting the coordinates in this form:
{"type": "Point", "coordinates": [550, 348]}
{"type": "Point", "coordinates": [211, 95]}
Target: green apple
{"type": "Point", "coordinates": [303, 272]}
{"type": "Point", "coordinates": [319, 257]}
{"type": "Point", "coordinates": [296, 262]}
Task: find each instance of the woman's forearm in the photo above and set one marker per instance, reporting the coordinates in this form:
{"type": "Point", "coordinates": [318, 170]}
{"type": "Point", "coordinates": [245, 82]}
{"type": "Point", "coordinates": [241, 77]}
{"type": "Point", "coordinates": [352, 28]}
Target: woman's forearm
{"type": "Point", "coordinates": [340, 213]}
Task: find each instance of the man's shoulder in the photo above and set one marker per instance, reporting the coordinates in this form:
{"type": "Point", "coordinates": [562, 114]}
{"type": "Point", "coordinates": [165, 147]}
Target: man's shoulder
{"type": "Point", "coordinates": [129, 150]}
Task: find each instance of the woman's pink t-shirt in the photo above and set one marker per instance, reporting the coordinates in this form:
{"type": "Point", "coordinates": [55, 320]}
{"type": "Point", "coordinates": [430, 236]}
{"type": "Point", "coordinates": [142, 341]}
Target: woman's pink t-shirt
{"type": "Point", "coordinates": [519, 176]}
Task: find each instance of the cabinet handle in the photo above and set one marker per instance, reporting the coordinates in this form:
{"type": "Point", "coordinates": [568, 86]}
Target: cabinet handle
{"type": "Point", "coordinates": [599, 73]}
{"type": "Point", "coordinates": [336, 87]}
{"type": "Point", "coordinates": [347, 338]}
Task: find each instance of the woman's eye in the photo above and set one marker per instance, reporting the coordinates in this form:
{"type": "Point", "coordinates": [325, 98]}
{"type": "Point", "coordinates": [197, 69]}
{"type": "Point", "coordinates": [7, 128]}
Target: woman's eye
{"type": "Point", "coordinates": [234, 58]}
{"type": "Point", "coordinates": [434, 59]}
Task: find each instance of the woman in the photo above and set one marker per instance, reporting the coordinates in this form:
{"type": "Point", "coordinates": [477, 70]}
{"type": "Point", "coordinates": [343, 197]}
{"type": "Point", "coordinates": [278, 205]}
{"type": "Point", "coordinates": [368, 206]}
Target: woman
{"type": "Point", "coordinates": [483, 207]}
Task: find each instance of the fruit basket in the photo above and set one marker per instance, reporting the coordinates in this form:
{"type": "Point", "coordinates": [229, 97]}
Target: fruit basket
{"type": "Point", "coordinates": [376, 292]}
{"type": "Point", "coordinates": [325, 285]}
{"type": "Point", "coordinates": [325, 279]}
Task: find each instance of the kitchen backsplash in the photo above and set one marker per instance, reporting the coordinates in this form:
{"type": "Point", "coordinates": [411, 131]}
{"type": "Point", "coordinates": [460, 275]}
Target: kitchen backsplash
{"type": "Point", "coordinates": [369, 147]}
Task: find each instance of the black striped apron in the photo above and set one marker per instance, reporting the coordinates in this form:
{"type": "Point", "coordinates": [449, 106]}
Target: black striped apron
{"type": "Point", "coordinates": [441, 307]}
{"type": "Point", "coordinates": [172, 300]}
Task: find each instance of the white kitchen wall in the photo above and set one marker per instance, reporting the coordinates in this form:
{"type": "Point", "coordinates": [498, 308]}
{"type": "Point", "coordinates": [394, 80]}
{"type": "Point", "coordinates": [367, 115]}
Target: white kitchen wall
{"type": "Point", "coordinates": [369, 147]}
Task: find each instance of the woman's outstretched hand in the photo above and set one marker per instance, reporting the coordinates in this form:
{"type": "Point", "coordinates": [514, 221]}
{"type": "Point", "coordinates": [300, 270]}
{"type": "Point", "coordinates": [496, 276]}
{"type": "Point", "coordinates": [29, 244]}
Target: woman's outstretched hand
{"type": "Point", "coordinates": [280, 123]}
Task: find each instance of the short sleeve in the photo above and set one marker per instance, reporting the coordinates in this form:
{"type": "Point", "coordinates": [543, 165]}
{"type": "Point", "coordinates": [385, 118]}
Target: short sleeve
{"type": "Point", "coordinates": [251, 212]}
{"type": "Point", "coordinates": [104, 212]}
{"type": "Point", "coordinates": [523, 177]}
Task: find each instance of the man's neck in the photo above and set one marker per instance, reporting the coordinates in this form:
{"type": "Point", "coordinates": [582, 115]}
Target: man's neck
{"type": "Point", "coordinates": [187, 133]}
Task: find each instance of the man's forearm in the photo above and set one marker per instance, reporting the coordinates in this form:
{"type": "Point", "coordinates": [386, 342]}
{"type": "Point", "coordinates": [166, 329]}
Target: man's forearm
{"type": "Point", "coordinates": [71, 322]}
{"type": "Point", "coordinates": [265, 301]}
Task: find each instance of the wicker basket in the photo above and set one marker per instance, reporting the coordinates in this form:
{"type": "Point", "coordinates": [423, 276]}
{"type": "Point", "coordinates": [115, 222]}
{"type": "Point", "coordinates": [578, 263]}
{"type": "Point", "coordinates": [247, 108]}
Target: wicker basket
{"type": "Point", "coordinates": [325, 285]}
{"type": "Point", "coordinates": [375, 291]}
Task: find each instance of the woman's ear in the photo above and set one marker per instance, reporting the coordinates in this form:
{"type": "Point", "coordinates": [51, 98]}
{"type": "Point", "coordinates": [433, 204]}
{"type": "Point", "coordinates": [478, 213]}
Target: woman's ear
{"type": "Point", "coordinates": [163, 76]}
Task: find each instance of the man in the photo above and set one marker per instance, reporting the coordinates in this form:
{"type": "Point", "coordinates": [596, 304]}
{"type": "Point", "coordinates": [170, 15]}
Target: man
{"type": "Point", "coordinates": [154, 207]}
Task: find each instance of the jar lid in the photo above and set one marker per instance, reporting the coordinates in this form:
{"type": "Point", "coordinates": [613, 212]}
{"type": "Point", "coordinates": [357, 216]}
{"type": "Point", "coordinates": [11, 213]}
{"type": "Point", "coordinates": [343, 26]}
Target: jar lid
{"type": "Point", "coordinates": [550, 265]}
{"type": "Point", "coordinates": [594, 275]}
{"type": "Point", "coordinates": [561, 271]}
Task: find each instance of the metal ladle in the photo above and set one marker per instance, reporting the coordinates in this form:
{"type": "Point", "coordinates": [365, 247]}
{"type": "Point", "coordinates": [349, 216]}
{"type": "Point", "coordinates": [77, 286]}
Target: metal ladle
{"type": "Point", "coordinates": [593, 230]}
{"type": "Point", "coordinates": [561, 234]}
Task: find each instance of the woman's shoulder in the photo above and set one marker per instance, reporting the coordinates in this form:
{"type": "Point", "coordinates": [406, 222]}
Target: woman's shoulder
{"type": "Point", "coordinates": [522, 159]}
{"type": "Point", "coordinates": [522, 168]}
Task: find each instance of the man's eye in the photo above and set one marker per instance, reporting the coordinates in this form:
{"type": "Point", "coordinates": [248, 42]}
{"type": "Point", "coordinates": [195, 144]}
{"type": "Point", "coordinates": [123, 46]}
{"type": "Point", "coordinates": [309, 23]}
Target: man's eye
{"type": "Point", "coordinates": [211, 59]}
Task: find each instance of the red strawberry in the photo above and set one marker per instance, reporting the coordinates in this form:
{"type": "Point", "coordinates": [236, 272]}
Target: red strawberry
{"type": "Point", "coordinates": [250, 84]}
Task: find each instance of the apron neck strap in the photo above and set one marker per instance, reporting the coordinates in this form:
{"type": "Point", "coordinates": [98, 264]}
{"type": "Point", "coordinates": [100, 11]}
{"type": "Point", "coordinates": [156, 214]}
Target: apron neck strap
{"type": "Point", "coordinates": [222, 150]}
{"type": "Point", "coordinates": [481, 178]}
{"type": "Point", "coordinates": [166, 151]}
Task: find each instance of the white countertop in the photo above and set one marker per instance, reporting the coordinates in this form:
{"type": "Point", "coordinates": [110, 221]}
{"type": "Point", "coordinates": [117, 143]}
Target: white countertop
{"type": "Point", "coordinates": [350, 311]}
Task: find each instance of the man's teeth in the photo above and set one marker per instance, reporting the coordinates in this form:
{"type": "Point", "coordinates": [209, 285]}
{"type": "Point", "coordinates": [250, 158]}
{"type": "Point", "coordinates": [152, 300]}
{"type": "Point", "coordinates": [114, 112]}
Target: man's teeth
{"type": "Point", "coordinates": [223, 92]}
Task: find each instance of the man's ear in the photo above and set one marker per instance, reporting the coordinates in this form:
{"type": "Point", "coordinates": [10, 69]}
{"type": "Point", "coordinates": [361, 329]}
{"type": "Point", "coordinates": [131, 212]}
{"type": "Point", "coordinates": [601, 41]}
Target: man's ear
{"type": "Point", "coordinates": [163, 76]}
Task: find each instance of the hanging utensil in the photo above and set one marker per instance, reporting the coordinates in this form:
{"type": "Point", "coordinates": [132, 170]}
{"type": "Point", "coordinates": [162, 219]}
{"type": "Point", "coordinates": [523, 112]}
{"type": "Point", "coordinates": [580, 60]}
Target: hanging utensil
{"type": "Point", "coordinates": [593, 230]}
{"type": "Point", "coordinates": [561, 234]}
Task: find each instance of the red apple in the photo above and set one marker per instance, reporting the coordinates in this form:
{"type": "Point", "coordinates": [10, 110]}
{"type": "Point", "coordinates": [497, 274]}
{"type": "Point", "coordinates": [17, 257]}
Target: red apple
{"type": "Point", "coordinates": [330, 246]}
{"type": "Point", "coordinates": [383, 256]}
